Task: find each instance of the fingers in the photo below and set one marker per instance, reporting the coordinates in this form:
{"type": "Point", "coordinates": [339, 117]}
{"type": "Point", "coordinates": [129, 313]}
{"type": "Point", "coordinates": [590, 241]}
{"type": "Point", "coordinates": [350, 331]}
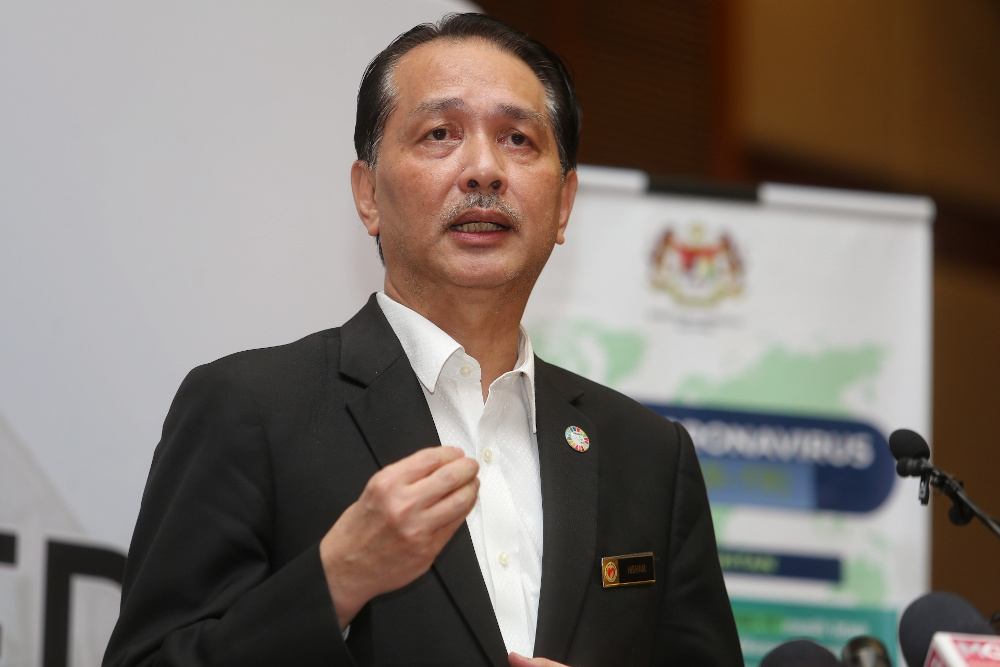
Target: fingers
{"type": "Point", "coordinates": [422, 463]}
{"type": "Point", "coordinates": [448, 513]}
{"type": "Point", "coordinates": [444, 497]}
{"type": "Point", "coordinates": [422, 480]}
{"type": "Point", "coordinates": [445, 480]}
{"type": "Point", "coordinates": [517, 660]}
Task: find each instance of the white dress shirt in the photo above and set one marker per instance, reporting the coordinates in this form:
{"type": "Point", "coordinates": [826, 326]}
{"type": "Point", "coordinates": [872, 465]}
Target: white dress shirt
{"type": "Point", "coordinates": [506, 523]}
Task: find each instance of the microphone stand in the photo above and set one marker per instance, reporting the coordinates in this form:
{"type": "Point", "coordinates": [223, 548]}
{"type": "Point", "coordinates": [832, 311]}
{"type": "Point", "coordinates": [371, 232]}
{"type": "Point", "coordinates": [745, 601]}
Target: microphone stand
{"type": "Point", "coordinates": [931, 475]}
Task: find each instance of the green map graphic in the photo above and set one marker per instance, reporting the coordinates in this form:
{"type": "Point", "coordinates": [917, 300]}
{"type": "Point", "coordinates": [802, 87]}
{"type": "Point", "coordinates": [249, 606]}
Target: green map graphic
{"type": "Point", "coordinates": [788, 382]}
{"type": "Point", "coordinates": [573, 346]}
{"type": "Point", "coordinates": [779, 381]}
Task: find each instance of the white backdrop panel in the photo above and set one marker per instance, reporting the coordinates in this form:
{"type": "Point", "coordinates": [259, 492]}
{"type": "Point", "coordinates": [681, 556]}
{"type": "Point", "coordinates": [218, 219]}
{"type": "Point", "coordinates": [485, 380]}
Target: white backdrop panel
{"type": "Point", "coordinates": [174, 186]}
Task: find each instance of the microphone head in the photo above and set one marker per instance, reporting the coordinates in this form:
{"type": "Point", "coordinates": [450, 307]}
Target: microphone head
{"type": "Point", "coordinates": [937, 612]}
{"type": "Point", "coordinates": [907, 467]}
{"type": "Point", "coordinates": [798, 653]}
{"type": "Point", "coordinates": [907, 444]}
{"type": "Point", "coordinates": [865, 652]}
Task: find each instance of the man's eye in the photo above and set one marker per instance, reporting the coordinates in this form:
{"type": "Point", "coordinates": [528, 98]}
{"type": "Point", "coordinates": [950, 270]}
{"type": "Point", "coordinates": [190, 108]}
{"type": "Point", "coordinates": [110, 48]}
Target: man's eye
{"type": "Point", "coordinates": [439, 134]}
{"type": "Point", "coordinates": [518, 139]}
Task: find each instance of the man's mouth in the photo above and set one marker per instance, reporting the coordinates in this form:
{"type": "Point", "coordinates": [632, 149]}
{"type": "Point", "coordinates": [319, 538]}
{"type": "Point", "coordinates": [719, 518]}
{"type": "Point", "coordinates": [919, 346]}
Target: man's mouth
{"type": "Point", "coordinates": [479, 227]}
{"type": "Point", "coordinates": [479, 213]}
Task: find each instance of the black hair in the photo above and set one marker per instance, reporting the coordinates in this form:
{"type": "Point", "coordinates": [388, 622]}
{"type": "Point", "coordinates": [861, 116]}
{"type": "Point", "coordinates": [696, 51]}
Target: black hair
{"type": "Point", "coordinates": [377, 99]}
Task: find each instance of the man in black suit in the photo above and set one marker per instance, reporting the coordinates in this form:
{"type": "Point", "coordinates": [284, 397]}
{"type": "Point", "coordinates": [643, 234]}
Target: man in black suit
{"type": "Point", "coordinates": [301, 510]}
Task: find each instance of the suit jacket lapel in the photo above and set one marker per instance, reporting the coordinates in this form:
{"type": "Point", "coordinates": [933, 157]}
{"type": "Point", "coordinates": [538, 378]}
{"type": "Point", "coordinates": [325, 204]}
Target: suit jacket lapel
{"type": "Point", "coordinates": [569, 503]}
{"type": "Point", "coordinates": [391, 412]}
{"type": "Point", "coordinates": [394, 418]}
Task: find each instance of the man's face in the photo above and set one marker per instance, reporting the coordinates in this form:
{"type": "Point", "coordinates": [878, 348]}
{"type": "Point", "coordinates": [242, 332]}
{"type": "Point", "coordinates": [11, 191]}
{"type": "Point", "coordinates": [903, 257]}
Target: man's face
{"type": "Point", "coordinates": [468, 190]}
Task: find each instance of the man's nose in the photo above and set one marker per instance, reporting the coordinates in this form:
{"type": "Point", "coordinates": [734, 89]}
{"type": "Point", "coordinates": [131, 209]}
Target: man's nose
{"type": "Point", "coordinates": [473, 184]}
{"type": "Point", "coordinates": [483, 168]}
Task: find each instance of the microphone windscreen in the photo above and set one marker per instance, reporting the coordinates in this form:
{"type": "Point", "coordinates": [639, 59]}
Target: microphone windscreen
{"type": "Point", "coordinates": [798, 653]}
{"type": "Point", "coordinates": [937, 612]}
{"type": "Point", "coordinates": [865, 652]}
{"type": "Point", "coordinates": [904, 443]}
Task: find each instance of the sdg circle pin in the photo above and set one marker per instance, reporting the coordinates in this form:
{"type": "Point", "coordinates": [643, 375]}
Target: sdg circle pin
{"type": "Point", "coordinates": [577, 439]}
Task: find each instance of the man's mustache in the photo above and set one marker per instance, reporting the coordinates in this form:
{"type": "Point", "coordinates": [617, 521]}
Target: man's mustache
{"type": "Point", "coordinates": [490, 201]}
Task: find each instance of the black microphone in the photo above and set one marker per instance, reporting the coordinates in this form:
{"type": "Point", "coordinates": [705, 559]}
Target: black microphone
{"type": "Point", "coordinates": [798, 653]}
{"type": "Point", "coordinates": [907, 444]}
{"type": "Point", "coordinates": [865, 652]}
{"type": "Point", "coordinates": [911, 453]}
{"type": "Point", "coordinates": [937, 612]}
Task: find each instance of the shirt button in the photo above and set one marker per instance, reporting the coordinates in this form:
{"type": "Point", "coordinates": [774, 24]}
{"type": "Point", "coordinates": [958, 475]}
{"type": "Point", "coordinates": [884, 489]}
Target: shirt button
{"type": "Point", "coordinates": [504, 558]}
{"type": "Point", "coordinates": [487, 455]}
{"type": "Point", "coordinates": [465, 370]}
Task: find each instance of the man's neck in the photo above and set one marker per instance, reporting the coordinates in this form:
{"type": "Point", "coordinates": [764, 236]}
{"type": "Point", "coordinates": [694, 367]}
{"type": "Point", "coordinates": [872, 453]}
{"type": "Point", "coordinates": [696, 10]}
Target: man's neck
{"type": "Point", "coordinates": [481, 321]}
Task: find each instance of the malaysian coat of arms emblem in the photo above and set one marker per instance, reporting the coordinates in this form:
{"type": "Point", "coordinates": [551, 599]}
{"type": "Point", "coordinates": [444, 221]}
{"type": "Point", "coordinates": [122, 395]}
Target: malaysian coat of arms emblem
{"type": "Point", "coordinates": [695, 268]}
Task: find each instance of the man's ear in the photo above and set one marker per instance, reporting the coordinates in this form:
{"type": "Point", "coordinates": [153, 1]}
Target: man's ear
{"type": "Point", "coordinates": [363, 187]}
{"type": "Point", "coordinates": [566, 198]}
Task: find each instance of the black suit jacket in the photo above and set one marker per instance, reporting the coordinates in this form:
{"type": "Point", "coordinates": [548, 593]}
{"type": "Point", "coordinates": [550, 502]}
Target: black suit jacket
{"type": "Point", "coordinates": [262, 451]}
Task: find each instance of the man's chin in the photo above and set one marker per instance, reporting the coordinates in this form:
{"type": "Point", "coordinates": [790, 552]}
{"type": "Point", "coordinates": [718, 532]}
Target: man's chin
{"type": "Point", "coordinates": [501, 285]}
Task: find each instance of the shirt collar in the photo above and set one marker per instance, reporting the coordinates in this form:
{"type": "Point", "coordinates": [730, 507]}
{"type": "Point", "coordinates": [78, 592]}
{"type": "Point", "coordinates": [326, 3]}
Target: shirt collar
{"type": "Point", "coordinates": [428, 348]}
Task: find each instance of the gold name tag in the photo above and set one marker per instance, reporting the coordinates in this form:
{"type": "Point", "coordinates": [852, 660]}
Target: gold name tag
{"type": "Point", "coordinates": [628, 570]}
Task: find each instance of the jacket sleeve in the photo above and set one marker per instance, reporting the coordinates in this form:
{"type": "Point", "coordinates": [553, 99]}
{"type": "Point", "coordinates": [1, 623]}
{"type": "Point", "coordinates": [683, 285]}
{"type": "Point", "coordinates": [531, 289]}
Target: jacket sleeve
{"type": "Point", "coordinates": [697, 626]}
{"type": "Point", "coordinates": [201, 587]}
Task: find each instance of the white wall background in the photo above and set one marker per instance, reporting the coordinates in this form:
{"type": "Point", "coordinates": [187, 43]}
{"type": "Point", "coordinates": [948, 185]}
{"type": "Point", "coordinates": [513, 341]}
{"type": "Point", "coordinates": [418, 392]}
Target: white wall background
{"type": "Point", "coordinates": [173, 187]}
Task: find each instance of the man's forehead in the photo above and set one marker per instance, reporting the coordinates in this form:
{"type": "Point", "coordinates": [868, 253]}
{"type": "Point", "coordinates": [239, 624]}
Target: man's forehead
{"type": "Point", "coordinates": [467, 62]}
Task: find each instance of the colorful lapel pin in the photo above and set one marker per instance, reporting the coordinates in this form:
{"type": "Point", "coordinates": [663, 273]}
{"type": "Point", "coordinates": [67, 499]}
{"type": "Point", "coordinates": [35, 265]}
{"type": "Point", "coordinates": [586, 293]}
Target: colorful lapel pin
{"type": "Point", "coordinates": [577, 439]}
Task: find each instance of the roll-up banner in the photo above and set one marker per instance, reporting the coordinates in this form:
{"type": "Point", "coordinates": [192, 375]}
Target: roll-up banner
{"type": "Point", "coordinates": [788, 329]}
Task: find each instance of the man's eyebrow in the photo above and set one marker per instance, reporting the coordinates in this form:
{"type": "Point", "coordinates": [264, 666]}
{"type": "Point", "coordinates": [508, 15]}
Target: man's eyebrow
{"type": "Point", "coordinates": [437, 106]}
{"type": "Point", "coordinates": [511, 111]}
{"type": "Point", "coordinates": [520, 113]}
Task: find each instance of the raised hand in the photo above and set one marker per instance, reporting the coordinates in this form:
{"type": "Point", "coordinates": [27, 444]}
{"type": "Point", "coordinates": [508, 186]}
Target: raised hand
{"type": "Point", "coordinates": [406, 514]}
